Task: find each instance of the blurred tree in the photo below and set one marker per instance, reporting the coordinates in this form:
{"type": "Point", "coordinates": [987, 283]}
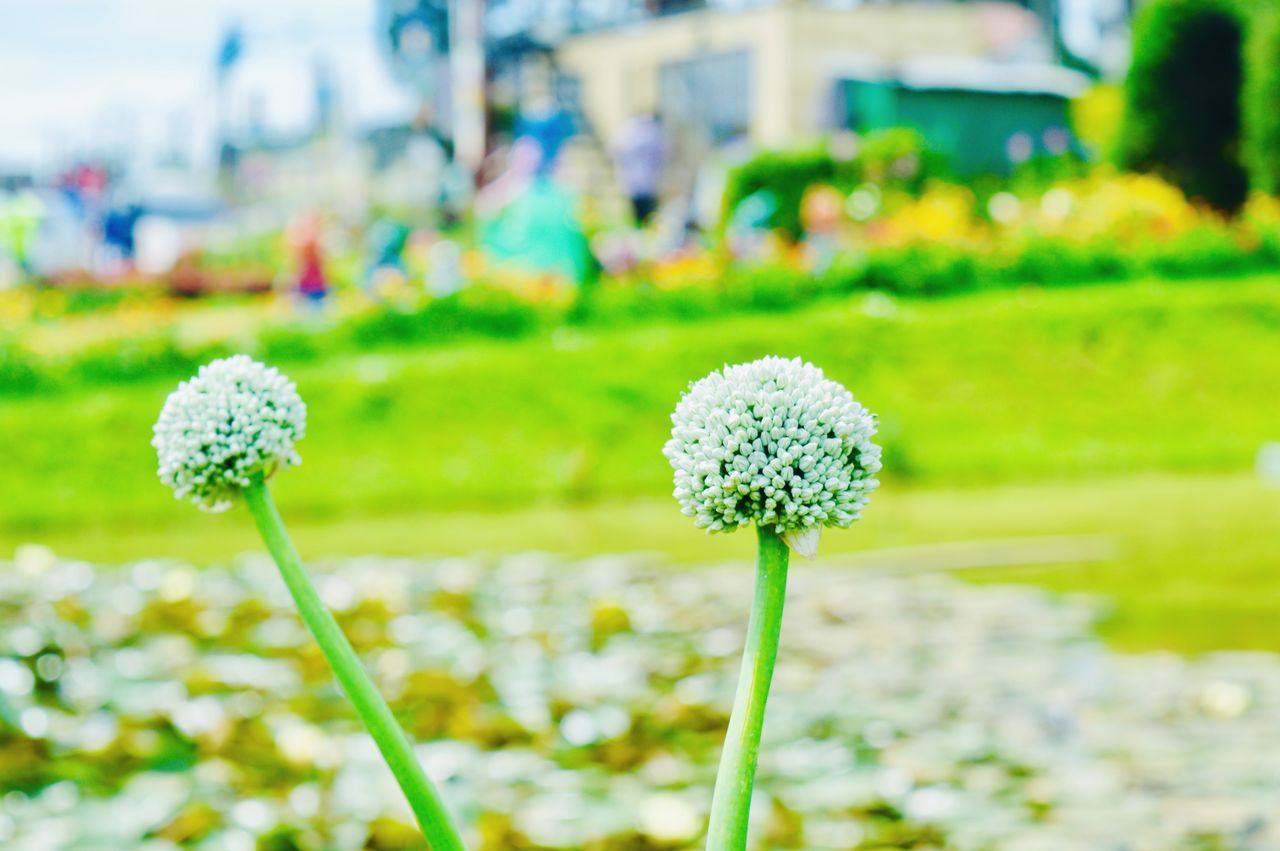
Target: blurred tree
{"type": "Point", "coordinates": [1182, 99]}
{"type": "Point", "coordinates": [1262, 100]}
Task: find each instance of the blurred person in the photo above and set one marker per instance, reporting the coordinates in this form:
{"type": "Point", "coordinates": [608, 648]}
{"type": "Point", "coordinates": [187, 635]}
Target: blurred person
{"type": "Point", "coordinates": [518, 169]}
{"type": "Point", "coordinates": [119, 227]}
{"type": "Point", "coordinates": [444, 268]}
{"type": "Point", "coordinates": [539, 231]}
{"type": "Point", "coordinates": [306, 240]}
{"type": "Point", "coordinates": [528, 221]}
{"type": "Point", "coordinates": [385, 242]}
{"type": "Point", "coordinates": [549, 126]}
{"type": "Point", "coordinates": [822, 214]}
{"type": "Point", "coordinates": [640, 157]}
{"type": "Point", "coordinates": [84, 188]}
{"type": "Point", "coordinates": [20, 217]}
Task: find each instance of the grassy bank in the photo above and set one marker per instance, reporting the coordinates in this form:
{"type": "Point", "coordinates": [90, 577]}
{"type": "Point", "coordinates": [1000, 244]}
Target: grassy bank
{"type": "Point", "coordinates": [1192, 565]}
{"type": "Point", "coordinates": [1129, 410]}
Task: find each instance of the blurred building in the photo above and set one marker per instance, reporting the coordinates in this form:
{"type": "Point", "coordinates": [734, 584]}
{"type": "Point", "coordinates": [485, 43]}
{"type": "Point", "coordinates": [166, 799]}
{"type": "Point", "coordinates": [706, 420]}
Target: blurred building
{"type": "Point", "coordinates": [969, 74]}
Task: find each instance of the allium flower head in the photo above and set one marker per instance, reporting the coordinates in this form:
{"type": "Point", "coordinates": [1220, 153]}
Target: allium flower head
{"type": "Point", "coordinates": [776, 442]}
{"type": "Point", "coordinates": [235, 419]}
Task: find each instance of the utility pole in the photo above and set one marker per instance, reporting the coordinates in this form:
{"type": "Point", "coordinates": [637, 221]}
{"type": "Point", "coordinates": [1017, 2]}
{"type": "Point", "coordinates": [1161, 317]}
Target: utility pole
{"type": "Point", "coordinates": [467, 73]}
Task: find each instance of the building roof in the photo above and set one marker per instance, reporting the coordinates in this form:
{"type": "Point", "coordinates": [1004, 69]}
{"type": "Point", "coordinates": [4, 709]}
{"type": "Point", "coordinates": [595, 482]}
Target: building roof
{"type": "Point", "coordinates": [990, 75]}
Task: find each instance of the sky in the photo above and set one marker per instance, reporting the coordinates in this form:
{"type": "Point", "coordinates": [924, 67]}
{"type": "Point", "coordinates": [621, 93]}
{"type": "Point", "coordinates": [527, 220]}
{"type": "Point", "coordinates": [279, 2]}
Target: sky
{"type": "Point", "coordinates": [138, 75]}
{"type": "Point", "coordinates": [81, 77]}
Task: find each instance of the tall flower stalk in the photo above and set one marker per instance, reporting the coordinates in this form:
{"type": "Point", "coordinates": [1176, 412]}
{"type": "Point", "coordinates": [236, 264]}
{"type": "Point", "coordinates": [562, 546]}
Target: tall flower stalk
{"type": "Point", "coordinates": [775, 443]}
{"type": "Point", "coordinates": [731, 801]}
{"type": "Point", "coordinates": [220, 436]}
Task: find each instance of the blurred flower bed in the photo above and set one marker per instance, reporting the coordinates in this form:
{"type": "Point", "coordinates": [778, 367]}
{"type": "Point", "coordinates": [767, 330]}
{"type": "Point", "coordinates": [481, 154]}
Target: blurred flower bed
{"type": "Point", "coordinates": [155, 707]}
{"type": "Point", "coordinates": [886, 226]}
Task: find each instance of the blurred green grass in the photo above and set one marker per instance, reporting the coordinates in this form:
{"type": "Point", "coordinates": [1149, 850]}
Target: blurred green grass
{"type": "Point", "coordinates": [1133, 410]}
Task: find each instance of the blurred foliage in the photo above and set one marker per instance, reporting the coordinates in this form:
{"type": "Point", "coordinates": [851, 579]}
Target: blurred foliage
{"type": "Point", "coordinates": [1096, 118]}
{"type": "Point", "coordinates": [1109, 405]}
{"type": "Point", "coordinates": [474, 311]}
{"type": "Point", "coordinates": [784, 176]}
{"type": "Point", "coordinates": [897, 157]}
{"type": "Point", "coordinates": [1262, 99]}
{"type": "Point", "coordinates": [944, 239]}
{"type": "Point", "coordinates": [1041, 172]}
{"type": "Point", "coordinates": [159, 707]}
{"type": "Point", "coordinates": [970, 391]}
{"type": "Point", "coordinates": [1182, 112]}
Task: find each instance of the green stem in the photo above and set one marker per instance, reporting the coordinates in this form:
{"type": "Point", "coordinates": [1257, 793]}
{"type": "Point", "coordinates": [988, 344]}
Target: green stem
{"type": "Point", "coordinates": [427, 807]}
{"type": "Point", "coordinates": [731, 801]}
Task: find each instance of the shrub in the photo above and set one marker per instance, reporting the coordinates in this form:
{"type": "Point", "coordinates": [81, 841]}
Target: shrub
{"type": "Point", "coordinates": [1203, 249]}
{"type": "Point", "coordinates": [1057, 261]}
{"type": "Point", "coordinates": [134, 358]}
{"type": "Point", "coordinates": [921, 269]}
{"type": "Point", "coordinates": [896, 156]}
{"type": "Point", "coordinates": [784, 175]}
{"type": "Point", "coordinates": [1182, 99]}
{"type": "Point", "coordinates": [477, 310]}
{"type": "Point", "coordinates": [1262, 101]}
{"type": "Point", "coordinates": [770, 288]}
{"type": "Point", "coordinates": [293, 342]}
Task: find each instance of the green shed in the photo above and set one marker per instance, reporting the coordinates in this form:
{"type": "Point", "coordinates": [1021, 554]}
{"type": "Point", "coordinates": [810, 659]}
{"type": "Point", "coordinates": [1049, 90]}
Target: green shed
{"type": "Point", "coordinates": [982, 114]}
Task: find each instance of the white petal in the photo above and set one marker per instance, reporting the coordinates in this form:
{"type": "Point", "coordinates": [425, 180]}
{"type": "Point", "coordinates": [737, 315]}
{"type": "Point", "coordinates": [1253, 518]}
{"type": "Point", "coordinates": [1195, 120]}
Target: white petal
{"type": "Point", "coordinates": [804, 541]}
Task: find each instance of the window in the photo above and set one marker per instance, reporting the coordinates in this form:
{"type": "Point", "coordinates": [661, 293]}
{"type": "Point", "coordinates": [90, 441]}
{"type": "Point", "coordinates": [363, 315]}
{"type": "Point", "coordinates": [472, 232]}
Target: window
{"type": "Point", "coordinates": [708, 98]}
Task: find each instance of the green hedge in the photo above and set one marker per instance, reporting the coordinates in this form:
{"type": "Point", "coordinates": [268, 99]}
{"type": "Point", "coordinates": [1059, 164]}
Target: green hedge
{"type": "Point", "coordinates": [785, 176]}
{"type": "Point", "coordinates": [896, 156]}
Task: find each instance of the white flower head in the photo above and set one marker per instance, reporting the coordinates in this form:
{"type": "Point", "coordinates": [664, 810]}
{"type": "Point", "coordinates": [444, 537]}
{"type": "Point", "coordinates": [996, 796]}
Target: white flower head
{"type": "Point", "coordinates": [234, 420]}
{"type": "Point", "coordinates": [775, 442]}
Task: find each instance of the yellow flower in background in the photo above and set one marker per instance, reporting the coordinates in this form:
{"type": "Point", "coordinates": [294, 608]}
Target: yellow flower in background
{"type": "Point", "coordinates": [1123, 207]}
{"type": "Point", "coordinates": [1260, 219]}
{"type": "Point", "coordinates": [688, 269]}
{"type": "Point", "coordinates": [1096, 116]}
{"type": "Point", "coordinates": [1139, 205]}
{"type": "Point", "coordinates": [1262, 210]}
{"type": "Point", "coordinates": [943, 213]}
{"type": "Point", "coordinates": [17, 306]}
{"type": "Point", "coordinates": [51, 303]}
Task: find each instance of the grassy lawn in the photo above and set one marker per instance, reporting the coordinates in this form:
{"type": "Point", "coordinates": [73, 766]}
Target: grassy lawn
{"type": "Point", "coordinates": [1194, 567]}
{"type": "Point", "coordinates": [1132, 411]}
